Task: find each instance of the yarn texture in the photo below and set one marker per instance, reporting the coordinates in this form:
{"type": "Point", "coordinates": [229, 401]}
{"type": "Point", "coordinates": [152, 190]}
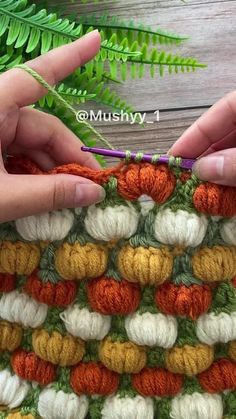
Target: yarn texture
{"type": "Point", "coordinates": [124, 309]}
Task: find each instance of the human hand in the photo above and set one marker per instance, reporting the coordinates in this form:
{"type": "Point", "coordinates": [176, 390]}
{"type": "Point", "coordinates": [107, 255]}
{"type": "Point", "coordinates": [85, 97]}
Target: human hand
{"type": "Point", "coordinates": [43, 137]}
{"type": "Point", "coordinates": [212, 138]}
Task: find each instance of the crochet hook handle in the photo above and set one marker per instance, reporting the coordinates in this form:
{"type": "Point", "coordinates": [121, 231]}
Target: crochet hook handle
{"type": "Point", "coordinates": [150, 158]}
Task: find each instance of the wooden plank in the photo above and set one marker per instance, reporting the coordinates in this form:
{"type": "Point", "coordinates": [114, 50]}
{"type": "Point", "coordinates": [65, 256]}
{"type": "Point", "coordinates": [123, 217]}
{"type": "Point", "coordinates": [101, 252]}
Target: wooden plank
{"type": "Point", "coordinates": [156, 137]}
{"type": "Point", "coordinates": [212, 27]}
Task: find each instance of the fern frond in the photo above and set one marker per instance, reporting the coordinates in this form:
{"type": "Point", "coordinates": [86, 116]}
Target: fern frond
{"type": "Point", "coordinates": [101, 93]}
{"type": "Point", "coordinates": [129, 29]}
{"type": "Point", "coordinates": [72, 95]}
{"type": "Point", "coordinates": [109, 78]}
{"type": "Point", "coordinates": [135, 63]}
{"type": "Point", "coordinates": [26, 28]}
{"type": "Point", "coordinates": [83, 81]}
{"type": "Point", "coordinates": [8, 61]}
{"type": "Point", "coordinates": [106, 96]}
{"type": "Point", "coordinates": [136, 66]}
{"type": "Point", "coordinates": [161, 60]}
{"type": "Point", "coordinates": [113, 53]}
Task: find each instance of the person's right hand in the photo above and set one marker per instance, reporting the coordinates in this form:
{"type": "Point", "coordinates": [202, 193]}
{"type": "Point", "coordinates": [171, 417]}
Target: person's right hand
{"type": "Point", "coordinates": [212, 139]}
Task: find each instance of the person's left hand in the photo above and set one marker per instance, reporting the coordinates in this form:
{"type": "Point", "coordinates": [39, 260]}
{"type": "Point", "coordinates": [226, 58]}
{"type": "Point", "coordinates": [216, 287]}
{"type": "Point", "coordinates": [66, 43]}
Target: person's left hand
{"type": "Point", "coordinates": [43, 137]}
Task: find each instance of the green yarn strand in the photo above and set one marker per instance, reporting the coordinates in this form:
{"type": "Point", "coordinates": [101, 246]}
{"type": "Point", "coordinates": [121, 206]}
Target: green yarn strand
{"type": "Point", "coordinates": [63, 102]}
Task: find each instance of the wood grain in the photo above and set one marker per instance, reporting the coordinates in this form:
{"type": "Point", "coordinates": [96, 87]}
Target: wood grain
{"type": "Point", "coordinates": [212, 28]}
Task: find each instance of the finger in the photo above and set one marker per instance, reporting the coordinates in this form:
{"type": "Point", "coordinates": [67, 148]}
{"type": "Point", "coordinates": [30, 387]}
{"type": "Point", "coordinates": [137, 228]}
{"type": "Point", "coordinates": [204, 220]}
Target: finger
{"type": "Point", "coordinates": [213, 126]}
{"type": "Point", "coordinates": [40, 158]}
{"type": "Point", "coordinates": [24, 195]}
{"type": "Point", "coordinates": [20, 88]}
{"type": "Point", "coordinates": [53, 144]}
{"type": "Point", "coordinates": [228, 142]}
{"type": "Point", "coordinates": [219, 167]}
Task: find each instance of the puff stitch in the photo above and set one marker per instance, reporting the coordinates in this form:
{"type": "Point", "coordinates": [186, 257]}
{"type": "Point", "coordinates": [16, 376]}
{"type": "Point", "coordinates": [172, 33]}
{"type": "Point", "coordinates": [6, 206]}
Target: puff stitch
{"type": "Point", "coordinates": [123, 309]}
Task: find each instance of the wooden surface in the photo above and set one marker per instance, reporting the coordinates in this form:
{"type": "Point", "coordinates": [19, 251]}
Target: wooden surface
{"type": "Point", "coordinates": [211, 24]}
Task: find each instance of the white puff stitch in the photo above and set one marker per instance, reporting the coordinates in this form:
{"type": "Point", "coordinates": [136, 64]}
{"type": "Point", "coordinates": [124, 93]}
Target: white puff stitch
{"type": "Point", "coordinates": [137, 407]}
{"type": "Point", "coordinates": [212, 328]}
{"type": "Point", "coordinates": [152, 329]}
{"type": "Point", "coordinates": [13, 389]}
{"type": "Point", "coordinates": [18, 307]}
{"type": "Point", "coordinates": [85, 324]}
{"type": "Point", "coordinates": [197, 406]}
{"type": "Point", "coordinates": [54, 404]}
{"type": "Point", "coordinates": [111, 223]}
{"type": "Point", "coordinates": [180, 227]}
{"type": "Point", "coordinates": [228, 231]}
{"type": "Point", "coordinates": [51, 226]}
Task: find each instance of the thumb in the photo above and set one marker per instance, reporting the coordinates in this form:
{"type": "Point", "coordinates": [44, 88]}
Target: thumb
{"type": "Point", "coordinates": [219, 167]}
{"type": "Point", "coordinates": [22, 195]}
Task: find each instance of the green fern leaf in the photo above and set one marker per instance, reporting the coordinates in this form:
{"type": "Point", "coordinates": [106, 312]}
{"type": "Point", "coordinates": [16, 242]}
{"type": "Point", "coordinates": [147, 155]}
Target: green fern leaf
{"type": "Point", "coordinates": [110, 98]}
{"type": "Point", "coordinates": [26, 27]}
{"type": "Point", "coordinates": [72, 95]}
{"type": "Point", "coordinates": [46, 41]}
{"type": "Point", "coordinates": [161, 60]}
{"type": "Point", "coordinates": [132, 31]}
{"type": "Point", "coordinates": [102, 93]}
{"type": "Point", "coordinates": [109, 78]}
{"type": "Point", "coordinates": [8, 60]}
{"type": "Point", "coordinates": [13, 31]}
{"type": "Point", "coordinates": [4, 22]}
{"type": "Point", "coordinates": [33, 40]}
{"type": "Point", "coordinates": [23, 36]}
{"type": "Point", "coordinates": [114, 51]}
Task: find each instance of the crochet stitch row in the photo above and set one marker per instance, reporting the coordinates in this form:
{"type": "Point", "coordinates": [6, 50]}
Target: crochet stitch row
{"type": "Point", "coordinates": [125, 309]}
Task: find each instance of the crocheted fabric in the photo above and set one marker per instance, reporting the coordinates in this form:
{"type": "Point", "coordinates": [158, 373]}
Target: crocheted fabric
{"type": "Point", "coordinates": [123, 310]}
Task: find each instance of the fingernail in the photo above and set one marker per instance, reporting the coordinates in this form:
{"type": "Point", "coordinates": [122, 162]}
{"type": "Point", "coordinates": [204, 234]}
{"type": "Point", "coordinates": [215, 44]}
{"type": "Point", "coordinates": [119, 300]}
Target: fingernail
{"type": "Point", "coordinates": [90, 33]}
{"type": "Point", "coordinates": [88, 194]}
{"type": "Point", "coordinates": [209, 168]}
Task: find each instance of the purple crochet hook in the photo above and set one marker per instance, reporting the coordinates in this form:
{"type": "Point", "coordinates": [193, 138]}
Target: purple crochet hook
{"type": "Point", "coordinates": [150, 158]}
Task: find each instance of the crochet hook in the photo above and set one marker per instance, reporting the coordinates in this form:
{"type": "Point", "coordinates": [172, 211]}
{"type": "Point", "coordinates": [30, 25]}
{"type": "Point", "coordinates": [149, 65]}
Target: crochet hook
{"type": "Point", "coordinates": [150, 158]}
